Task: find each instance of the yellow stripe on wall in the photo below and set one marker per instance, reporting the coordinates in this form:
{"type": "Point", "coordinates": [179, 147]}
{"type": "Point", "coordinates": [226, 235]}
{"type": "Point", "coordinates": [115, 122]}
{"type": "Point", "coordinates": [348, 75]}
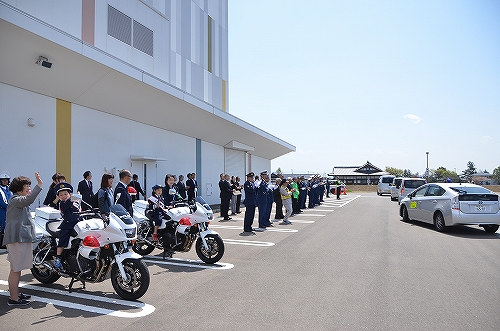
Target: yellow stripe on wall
{"type": "Point", "coordinates": [63, 138]}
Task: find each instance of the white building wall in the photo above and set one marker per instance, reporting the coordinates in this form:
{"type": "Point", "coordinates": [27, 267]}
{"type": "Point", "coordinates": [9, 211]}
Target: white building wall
{"type": "Point", "coordinates": [180, 38]}
{"type": "Point", "coordinates": [212, 166]}
{"type": "Point", "coordinates": [111, 141]}
{"type": "Point", "coordinates": [24, 149]}
{"type": "Point", "coordinates": [259, 164]}
{"type": "Point", "coordinates": [62, 14]}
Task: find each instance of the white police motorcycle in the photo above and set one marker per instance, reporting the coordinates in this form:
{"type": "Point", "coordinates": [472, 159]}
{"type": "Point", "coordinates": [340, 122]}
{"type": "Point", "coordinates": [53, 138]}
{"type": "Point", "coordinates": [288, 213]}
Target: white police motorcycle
{"type": "Point", "coordinates": [186, 224]}
{"type": "Point", "coordinates": [98, 249]}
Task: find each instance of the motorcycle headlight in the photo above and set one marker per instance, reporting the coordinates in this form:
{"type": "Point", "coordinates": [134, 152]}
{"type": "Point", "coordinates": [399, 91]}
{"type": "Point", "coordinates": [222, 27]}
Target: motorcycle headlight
{"type": "Point", "coordinates": [210, 216]}
{"type": "Point", "coordinates": [130, 233]}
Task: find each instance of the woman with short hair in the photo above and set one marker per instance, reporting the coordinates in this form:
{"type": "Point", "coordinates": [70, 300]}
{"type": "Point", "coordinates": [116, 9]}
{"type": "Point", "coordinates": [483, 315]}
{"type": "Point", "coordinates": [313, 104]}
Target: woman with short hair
{"type": "Point", "coordinates": [19, 234]}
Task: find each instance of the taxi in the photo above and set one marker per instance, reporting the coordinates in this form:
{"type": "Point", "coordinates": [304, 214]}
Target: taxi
{"type": "Point", "coordinates": [449, 204]}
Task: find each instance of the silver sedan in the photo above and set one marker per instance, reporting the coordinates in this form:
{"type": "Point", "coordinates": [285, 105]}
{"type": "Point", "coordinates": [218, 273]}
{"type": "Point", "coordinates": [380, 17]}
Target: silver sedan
{"type": "Point", "coordinates": [448, 204]}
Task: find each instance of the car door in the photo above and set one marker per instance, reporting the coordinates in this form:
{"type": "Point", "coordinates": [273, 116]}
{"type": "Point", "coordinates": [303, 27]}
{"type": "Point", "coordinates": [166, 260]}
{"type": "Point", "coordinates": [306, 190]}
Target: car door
{"type": "Point", "coordinates": [416, 196]}
{"type": "Point", "coordinates": [432, 200]}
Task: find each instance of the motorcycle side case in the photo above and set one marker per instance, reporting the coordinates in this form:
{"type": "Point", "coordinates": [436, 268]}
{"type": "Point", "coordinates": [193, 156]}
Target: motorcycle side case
{"type": "Point", "coordinates": [47, 213]}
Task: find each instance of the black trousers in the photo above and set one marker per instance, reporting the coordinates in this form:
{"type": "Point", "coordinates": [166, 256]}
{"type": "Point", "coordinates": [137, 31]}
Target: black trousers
{"type": "Point", "coordinates": [238, 203]}
{"type": "Point", "coordinates": [224, 207]}
{"type": "Point", "coordinates": [279, 209]}
{"type": "Point", "coordinates": [249, 216]}
{"type": "Point", "coordinates": [295, 205]}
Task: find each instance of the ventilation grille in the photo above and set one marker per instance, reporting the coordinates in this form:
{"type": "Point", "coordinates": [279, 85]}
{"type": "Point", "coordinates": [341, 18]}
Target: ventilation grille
{"type": "Point", "coordinates": [119, 25]}
{"type": "Point", "coordinates": [143, 38]}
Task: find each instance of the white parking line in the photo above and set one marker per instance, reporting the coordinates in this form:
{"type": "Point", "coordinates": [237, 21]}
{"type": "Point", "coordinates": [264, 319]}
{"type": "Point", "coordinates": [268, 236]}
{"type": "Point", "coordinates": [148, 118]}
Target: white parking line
{"type": "Point", "coordinates": [248, 242]}
{"type": "Point", "coordinates": [188, 263]}
{"type": "Point", "coordinates": [236, 227]}
{"type": "Point", "coordinates": [145, 308]}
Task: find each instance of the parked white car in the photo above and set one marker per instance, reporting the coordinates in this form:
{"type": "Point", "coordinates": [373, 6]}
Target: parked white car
{"type": "Point", "coordinates": [409, 185]}
{"type": "Point", "coordinates": [395, 185]}
{"type": "Point", "coordinates": [384, 184]}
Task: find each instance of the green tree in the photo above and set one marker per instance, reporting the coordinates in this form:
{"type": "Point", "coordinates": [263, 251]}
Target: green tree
{"type": "Point", "coordinates": [442, 174]}
{"type": "Point", "coordinates": [467, 173]}
{"type": "Point", "coordinates": [394, 171]}
{"type": "Point", "coordinates": [496, 174]}
{"type": "Point", "coordinates": [408, 173]}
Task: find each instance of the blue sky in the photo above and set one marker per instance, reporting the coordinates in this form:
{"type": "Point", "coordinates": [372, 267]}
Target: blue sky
{"type": "Point", "coordinates": [384, 81]}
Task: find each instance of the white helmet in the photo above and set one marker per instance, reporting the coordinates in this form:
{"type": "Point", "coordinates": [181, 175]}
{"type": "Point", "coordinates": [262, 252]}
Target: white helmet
{"type": "Point", "coordinates": [4, 175]}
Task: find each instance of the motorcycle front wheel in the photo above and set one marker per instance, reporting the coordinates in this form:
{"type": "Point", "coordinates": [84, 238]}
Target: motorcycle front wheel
{"type": "Point", "coordinates": [215, 248]}
{"type": "Point", "coordinates": [137, 281]}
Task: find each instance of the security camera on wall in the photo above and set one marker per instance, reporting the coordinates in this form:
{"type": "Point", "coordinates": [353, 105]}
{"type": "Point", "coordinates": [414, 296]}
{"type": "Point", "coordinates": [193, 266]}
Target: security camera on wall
{"type": "Point", "coordinates": [44, 62]}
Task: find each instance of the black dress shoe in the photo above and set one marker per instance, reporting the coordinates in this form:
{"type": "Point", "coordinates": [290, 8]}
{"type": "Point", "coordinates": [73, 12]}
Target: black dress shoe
{"type": "Point", "coordinates": [227, 218]}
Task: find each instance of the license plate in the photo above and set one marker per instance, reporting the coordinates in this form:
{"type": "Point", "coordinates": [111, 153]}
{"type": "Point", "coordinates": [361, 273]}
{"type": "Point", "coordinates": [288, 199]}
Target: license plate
{"type": "Point", "coordinates": [480, 208]}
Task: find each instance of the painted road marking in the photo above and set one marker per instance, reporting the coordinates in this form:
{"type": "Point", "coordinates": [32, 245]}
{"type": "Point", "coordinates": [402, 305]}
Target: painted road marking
{"type": "Point", "coordinates": [248, 242]}
{"type": "Point", "coordinates": [236, 227]}
{"type": "Point", "coordinates": [145, 308]}
{"type": "Point", "coordinates": [188, 263]}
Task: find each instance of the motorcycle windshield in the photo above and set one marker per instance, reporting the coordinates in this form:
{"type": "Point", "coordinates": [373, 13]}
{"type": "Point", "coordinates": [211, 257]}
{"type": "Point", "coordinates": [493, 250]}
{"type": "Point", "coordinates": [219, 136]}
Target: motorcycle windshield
{"type": "Point", "coordinates": [203, 203]}
{"type": "Point", "coordinates": [122, 213]}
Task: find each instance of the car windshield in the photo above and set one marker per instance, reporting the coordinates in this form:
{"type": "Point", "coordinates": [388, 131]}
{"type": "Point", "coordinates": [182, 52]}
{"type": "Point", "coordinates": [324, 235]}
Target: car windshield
{"type": "Point", "coordinates": [387, 180]}
{"type": "Point", "coordinates": [397, 182]}
{"type": "Point", "coordinates": [474, 193]}
{"type": "Point", "coordinates": [470, 190]}
{"type": "Point", "coordinates": [414, 183]}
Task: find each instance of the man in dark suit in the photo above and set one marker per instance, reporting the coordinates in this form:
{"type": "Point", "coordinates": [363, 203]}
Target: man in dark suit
{"type": "Point", "coordinates": [124, 199]}
{"type": "Point", "coordinates": [191, 186]}
{"type": "Point", "coordinates": [221, 180]}
{"type": "Point", "coordinates": [86, 189]}
{"type": "Point", "coordinates": [181, 187]}
{"type": "Point", "coordinates": [250, 202]}
{"type": "Point", "coordinates": [137, 186]}
{"type": "Point", "coordinates": [226, 193]}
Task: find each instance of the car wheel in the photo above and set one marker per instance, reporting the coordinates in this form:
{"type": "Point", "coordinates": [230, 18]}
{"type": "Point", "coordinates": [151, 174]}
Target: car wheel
{"type": "Point", "coordinates": [490, 228]}
{"type": "Point", "coordinates": [404, 213]}
{"type": "Point", "coordinates": [439, 222]}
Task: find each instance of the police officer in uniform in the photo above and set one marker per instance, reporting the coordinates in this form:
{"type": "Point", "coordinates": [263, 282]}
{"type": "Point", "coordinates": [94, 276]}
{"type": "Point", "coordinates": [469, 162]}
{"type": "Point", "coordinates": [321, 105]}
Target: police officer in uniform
{"type": "Point", "coordinates": [250, 202]}
{"type": "Point", "coordinates": [262, 201]}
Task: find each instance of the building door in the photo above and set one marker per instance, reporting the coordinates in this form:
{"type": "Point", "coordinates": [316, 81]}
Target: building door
{"type": "Point", "coordinates": [149, 179]}
{"type": "Point", "coordinates": [234, 163]}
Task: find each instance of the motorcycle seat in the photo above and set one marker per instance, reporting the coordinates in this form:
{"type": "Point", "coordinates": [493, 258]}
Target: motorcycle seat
{"type": "Point", "coordinates": [52, 228]}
